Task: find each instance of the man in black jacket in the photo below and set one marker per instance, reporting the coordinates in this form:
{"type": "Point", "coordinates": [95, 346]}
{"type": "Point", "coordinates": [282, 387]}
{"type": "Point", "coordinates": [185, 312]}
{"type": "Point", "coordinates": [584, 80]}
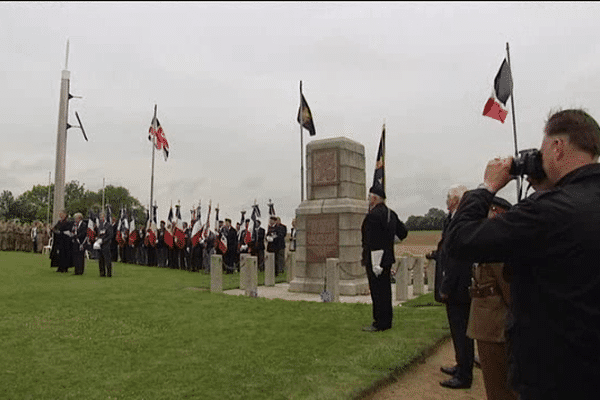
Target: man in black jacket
{"type": "Point", "coordinates": [379, 228]}
{"type": "Point", "coordinates": [551, 241]}
{"type": "Point", "coordinates": [453, 290]}
{"type": "Point", "coordinates": [79, 231]}
{"type": "Point", "coordinates": [105, 235]}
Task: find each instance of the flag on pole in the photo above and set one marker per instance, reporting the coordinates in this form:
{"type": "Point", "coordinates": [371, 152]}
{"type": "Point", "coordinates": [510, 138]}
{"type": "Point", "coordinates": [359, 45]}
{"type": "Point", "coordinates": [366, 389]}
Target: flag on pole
{"type": "Point", "coordinates": [157, 136]}
{"type": "Point", "coordinates": [379, 175]}
{"type": "Point", "coordinates": [92, 224]}
{"type": "Point", "coordinates": [178, 232]}
{"type": "Point", "coordinates": [305, 116]}
{"type": "Point", "coordinates": [169, 230]}
{"type": "Point", "coordinates": [495, 107]}
{"type": "Point", "coordinates": [133, 234]}
{"type": "Point", "coordinates": [271, 208]}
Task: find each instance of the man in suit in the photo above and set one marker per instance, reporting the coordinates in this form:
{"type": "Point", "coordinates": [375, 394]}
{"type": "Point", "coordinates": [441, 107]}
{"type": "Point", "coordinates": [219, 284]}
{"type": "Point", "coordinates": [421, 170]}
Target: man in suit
{"type": "Point", "coordinates": [258, 244]}
{"type": "Point", "coordinates": [379, 229]}
{"type": "Point", "coordinates": [79, 231]}
{"type": "Point", "coordinates": [454, 292]}
{"type": "Point", "coordinates": [229, 256]}
{"type": "Point", "coordinates": [105, 235]}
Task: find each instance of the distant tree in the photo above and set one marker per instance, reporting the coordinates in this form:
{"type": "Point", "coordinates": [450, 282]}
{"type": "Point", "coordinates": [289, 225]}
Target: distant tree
{"type": "Point", "coordinates": [6, 202]}
{"type": "Point", "coordinates": [39, 199]}
{"type": "Point", "coordinates": [432, 221]}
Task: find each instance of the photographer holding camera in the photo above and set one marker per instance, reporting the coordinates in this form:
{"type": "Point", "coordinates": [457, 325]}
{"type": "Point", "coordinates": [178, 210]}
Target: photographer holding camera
{"type": "Point", "coordinates": [551, 240]}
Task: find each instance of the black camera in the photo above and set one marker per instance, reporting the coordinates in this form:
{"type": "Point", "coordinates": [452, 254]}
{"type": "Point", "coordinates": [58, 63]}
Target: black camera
{"type": "Point", "coordinates": [528, 162]}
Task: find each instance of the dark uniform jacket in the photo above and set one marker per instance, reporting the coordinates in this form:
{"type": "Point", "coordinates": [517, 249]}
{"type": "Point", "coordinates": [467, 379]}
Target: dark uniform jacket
{"type": "Point", "coordinates": [552, 241]}
{"type": "Point", "coordinates": [378, 230]}
{"type": "Point", "coordinates": [80, 233]}
{"type": "Point", "coordinates": [455, 274]}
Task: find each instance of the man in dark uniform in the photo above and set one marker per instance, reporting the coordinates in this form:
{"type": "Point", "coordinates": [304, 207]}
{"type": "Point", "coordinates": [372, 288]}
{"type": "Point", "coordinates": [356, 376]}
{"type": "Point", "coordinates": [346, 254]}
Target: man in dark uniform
{"type": "Point", "coordinates": [114, 246]}
{"type": "Point", "coordinates": [79, 231]}
{"type": "Point", "coordinates": [105, 235]}
{"type": "Point", "coordinates": [161, 247]}
{"type": "Point", "coordinates": [62, 242]}
{"type": "Point", "coordinates": [379, 228]}
{"type": "Point", "coordinates": [550, 241]}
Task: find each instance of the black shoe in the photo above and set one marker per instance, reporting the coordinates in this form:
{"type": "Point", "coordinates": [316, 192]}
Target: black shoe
{"type": "Point", "coordinates": [373, 328]}
{"type": "Point", "coordinates": [456, 383]}
{"type": "Point", "coordinates": [449, 370]}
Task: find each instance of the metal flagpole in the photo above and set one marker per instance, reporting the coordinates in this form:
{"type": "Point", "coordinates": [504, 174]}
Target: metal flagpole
{"type": "Point", "coordinates": [301, 150]}
{"type": "Point", "coordinates": [512, 104]}
{"type": "Point", "coordinates": [153, 149]}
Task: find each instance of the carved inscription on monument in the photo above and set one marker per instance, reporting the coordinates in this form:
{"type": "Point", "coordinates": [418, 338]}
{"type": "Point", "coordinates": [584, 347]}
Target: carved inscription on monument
{"type": "Point", "coordinates": [322, 237]}
{"type": "Point", "coordinates": [325, 167]}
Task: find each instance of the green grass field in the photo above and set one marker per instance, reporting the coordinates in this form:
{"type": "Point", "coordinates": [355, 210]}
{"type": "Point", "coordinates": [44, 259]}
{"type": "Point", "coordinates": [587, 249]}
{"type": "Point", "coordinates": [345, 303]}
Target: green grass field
{"type": "Point", "coordinates": [144, 334]}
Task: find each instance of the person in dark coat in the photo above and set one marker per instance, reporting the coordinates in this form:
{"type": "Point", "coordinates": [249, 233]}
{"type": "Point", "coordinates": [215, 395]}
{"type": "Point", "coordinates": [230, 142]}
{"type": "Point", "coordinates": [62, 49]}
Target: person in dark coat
{"type": "Point", "coordinates": [105, 235]}
{"type": "Point", "coordinates": [454, 292]}
{"type": "Point", "coordinates": [79, 231]}
{"type": "Point", "coordinates": [379, 228]}
{"type": "Point", "coordinates": [61, 243]}
{"type": "Point", "coordinates": [550, 240]}
{"type": "Point", "coordinates": [229, 256]}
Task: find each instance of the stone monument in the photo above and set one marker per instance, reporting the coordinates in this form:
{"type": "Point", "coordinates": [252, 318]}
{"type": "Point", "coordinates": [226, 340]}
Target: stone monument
{"type": "Point", "coordinates": [330, 219]}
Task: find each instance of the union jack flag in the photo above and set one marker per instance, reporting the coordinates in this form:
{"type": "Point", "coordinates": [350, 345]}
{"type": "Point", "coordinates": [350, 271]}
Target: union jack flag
{"type": "Point", "coordinates": [157, 136]}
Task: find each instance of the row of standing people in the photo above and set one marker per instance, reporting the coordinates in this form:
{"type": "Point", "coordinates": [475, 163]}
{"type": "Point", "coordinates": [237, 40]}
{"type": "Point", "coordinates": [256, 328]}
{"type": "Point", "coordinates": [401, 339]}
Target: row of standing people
{"type": "Point", "coordinates": [23, 236]}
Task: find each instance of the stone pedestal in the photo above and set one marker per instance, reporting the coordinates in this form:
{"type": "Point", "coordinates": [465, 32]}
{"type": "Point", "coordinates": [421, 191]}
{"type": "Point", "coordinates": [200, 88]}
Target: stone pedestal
{"type": "Point", "coordinates": [418, 277]}
{"type": "Point", "coordinates": [251, 276]}
{"type": "Point", "coordinates": [329, 221]}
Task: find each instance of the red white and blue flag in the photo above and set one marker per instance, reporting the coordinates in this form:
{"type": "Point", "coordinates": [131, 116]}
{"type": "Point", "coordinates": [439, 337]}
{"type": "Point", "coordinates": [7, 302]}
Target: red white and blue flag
{"type": "Point", "coordinates": [495, 107]}
{"type": "Point", "coordinates": [178, 232]}
{"type": "Point", "coordinates": [157, 136]}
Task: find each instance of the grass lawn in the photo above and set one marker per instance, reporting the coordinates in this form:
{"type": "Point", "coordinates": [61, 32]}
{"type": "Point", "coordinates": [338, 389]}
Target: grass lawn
{"type": "Point", "coordinates": [143, 334]}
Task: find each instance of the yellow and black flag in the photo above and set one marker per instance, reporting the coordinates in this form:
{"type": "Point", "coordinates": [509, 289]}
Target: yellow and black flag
{"type": "Point", "coordinates": [379, 175]}
{"type": "Point", "coordinates": [304, 115]}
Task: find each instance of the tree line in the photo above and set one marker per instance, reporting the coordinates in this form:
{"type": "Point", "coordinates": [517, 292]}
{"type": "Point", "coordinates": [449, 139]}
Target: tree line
{"type": "Point", "coordinates": [33, 204]}
{"type": "Point", "coordinates": [432, 221]}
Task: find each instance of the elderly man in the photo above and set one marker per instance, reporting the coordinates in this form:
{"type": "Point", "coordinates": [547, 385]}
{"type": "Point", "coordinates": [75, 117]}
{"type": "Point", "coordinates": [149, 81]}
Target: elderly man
{"type": "Point", "coordinates": [379, 229]}
{"type": "Point", "coordinates": [550, 240]}
{"type": "Point", "coordinates": [453, 290]}
{"type": "Point", "coordinates": [62, 242]}
{"type": "Point", "coordinates": [79, 232]}
{"type": "Point", "coordinates": [105, 236]}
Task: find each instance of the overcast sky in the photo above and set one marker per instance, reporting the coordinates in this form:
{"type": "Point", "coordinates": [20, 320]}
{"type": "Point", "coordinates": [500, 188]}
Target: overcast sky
{"type": "Point", "coordinates": [225, 78]}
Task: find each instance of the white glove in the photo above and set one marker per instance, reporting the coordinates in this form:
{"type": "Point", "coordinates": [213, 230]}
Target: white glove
{"type": "Point", "coordinates": [68, 233]}
{"type": "Point", "coordinates": [97, 244]}
{"type": "Point", "coordinates": [243, 247]}
{"type": "Point", "coordinates": [376, 256]}
{"type": "Point", "coordinates": [377, 270]}
{"type": "Point", "coordinates": [269, 239]}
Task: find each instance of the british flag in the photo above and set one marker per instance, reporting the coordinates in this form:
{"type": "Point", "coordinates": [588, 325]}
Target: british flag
{"type": "Point", "coordinates": [157, 136]}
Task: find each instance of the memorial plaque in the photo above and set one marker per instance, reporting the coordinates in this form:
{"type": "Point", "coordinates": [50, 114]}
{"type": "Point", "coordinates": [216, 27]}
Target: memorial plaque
{"type": "Point", "coordinates": [325, 167]}
{"type": "Point", "coordinates": [322, 237]}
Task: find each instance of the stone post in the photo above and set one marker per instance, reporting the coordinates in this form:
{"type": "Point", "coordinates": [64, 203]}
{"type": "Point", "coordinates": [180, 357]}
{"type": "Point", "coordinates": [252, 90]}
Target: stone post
{"type": "Point", "coordinates": [333, 279]}
{"type": "Point", "coordinates": [418, 285]}
{"type": "Point", "coordinates": [269, 269]}
{"type": "Point", "coordinates": [216, 273]}
{"type": "Point", "coordinates": [251, 276]}
{"type": "Point", "coordinates": [243, 270]}
{"type": "Point", "coordinates": [430, 275]}
{"type": "Point", "coordinates": [291, 264]}
{"type": "Point", "coordinates": [402, 279]}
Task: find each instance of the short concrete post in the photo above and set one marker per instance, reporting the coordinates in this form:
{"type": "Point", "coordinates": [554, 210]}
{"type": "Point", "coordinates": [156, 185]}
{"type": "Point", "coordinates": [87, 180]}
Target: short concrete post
{"type": "Point", "coordinates": [402, 279]}
{"type": "Point", "coordinates": [243, 270]}
{"type": "Point", "coordinates": [269, 269]}
{"type": "Point", "coordinates": [290, 266]}
{"type": "Point", "coordinates": [419, 285]}
{"type": "Point", "coordinates": [216, 273]}
{"type": "Point", "coordinates": [251, 277]}
{"type": "Point", "coordinates": [333, 279]}
{"type": "Point", "coordinates": [430, 275]}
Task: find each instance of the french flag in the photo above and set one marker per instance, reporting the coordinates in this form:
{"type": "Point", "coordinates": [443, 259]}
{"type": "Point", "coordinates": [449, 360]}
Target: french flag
{"type": "Point", "coordinates": [496, 105]}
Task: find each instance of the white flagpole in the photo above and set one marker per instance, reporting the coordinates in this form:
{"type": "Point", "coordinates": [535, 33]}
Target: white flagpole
{"type": "Point", "coordinates": [153, 146]}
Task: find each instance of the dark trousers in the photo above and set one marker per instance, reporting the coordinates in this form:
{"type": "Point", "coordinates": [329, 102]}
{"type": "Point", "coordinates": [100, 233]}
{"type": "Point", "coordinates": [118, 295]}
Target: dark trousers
{"type": "Point", "coordinates": [464, 347]}
{"type": "Point", "coordinates": [78, 260]}
{"type": "Point", "coordinates": [279, 261]}
{"type": "Point", "coordinates": [381, 296]}
{"type": "Point", "coordinates": [161, 256]}
{"type": "Point", "coordinates": [260, 259]}
{"type": "Point", "coordinates": [105, 262]}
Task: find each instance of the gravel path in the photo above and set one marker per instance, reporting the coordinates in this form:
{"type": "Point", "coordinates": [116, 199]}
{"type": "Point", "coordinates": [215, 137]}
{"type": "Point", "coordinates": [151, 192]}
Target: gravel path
{"type": "Point", "coordinates": [422, 381]}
